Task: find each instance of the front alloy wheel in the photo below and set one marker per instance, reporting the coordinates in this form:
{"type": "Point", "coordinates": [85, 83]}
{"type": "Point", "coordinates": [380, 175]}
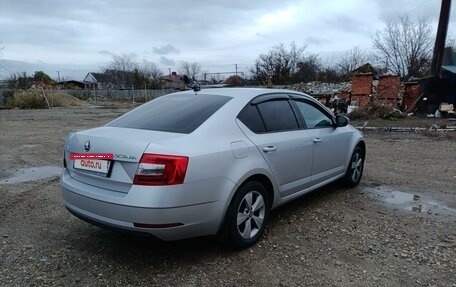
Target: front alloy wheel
{"type": "Point", "coordinates": [355, 168]}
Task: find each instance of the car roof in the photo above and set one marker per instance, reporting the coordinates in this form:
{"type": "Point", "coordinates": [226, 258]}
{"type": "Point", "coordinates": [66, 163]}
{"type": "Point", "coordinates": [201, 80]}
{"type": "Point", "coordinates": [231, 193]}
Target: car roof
{"type": "Point", "coordinates": [241, 96]}
{"type": "Point", "coordinates": [245, 93]}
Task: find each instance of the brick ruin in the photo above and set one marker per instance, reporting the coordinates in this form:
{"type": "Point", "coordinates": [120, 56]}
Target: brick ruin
{"type": "Point", "coordinates": [387, 89]}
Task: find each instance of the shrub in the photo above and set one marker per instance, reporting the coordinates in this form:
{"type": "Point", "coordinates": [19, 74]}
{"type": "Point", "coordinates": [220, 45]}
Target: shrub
{"type": "Point", "coordinates": [27, 99]}
{"type": "Point", "coordinates": [375, 110]}
{"type": "Point", "coordinates": [359, 114]}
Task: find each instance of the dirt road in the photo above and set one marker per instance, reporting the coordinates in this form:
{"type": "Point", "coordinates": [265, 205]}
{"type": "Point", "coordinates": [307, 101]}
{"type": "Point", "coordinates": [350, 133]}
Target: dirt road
{"type": "Point", "coordinates": [397, 228]}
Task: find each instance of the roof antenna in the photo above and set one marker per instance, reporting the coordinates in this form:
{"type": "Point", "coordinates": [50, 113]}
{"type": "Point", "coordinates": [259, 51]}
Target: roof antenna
{"type": "Point", "coordinates": [191, 84]}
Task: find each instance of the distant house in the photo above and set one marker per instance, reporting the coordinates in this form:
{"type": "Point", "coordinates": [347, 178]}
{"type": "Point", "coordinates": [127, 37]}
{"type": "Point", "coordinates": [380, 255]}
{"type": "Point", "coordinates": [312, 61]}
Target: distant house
{"type": "Point", "coordinates": [173, 81]}
{"type": "Point", "coordinates": [98, 81]}
{"type": "Point", "coordinates": [110, 79]}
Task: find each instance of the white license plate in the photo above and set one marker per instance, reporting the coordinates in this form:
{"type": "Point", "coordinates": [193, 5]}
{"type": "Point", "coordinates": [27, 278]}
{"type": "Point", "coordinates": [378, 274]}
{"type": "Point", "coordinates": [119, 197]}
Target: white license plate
{"type": "Point", "coordinates": [93, 165]}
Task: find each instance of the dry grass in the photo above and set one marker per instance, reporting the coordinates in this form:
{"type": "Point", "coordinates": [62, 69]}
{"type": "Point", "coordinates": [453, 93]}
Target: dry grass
{"type": "Point", "coordinates": [60, 99]}
{"type": "Point", "coordinates": [34, 99]}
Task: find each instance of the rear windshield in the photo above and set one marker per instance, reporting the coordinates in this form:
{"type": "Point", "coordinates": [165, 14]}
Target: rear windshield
{"type": "Point", "coordinates": [174, 113]}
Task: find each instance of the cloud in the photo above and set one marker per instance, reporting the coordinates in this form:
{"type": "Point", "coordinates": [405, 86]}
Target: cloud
{"type": "Point", "coordinates": [165, 50]}
{"type": "Point", "coordinates": [166, 61]}
{"type": "Point", "coordinates": [394, 9]}
{"type": "Point", "coordinates": [209, 32]}
{"type": "Point", "coordinates": [106, 53]}
{"type": "Point", "coordinates": [347, 24]}
{"type": "Point", "coordinates": [314, 40]}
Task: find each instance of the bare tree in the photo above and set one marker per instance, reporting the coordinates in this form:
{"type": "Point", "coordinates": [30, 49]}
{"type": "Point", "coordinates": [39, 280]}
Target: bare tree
{"type": "Point", "coordinates": [308, 69]}
{"type": "Point", "coordinates": [404, 47]}
{"type": "Point", "coordinates": [192, 70]}
{"type": "Point", "coordinates": [120, 65]}
{"type": "Point", "coordinates": [351, 60]}
{"type": "Point", "coordinates": [124, 63]}
{"type": "Point", "coordinates": [451, 42]}
{"type": "Point", "coordinates": [279, 64]}
{"type": "Point", "coordinates": [20, 81]}
{"type": "Point", "coordinates": [150, 70]}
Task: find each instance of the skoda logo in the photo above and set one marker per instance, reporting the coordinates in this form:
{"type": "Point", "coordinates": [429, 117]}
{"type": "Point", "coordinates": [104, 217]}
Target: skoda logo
{"type": "Point", "coordinates": [87, 145]}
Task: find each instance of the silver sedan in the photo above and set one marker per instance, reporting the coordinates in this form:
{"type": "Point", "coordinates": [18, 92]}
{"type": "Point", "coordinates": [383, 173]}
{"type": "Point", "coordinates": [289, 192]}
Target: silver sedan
{"type": "Point", "coordinates": [212, 162]}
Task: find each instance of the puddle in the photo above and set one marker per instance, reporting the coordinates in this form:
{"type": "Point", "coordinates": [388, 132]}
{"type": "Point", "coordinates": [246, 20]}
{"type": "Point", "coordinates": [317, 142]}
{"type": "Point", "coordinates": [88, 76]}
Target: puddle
{"type": "Point", "coordinates": [410, 201]}
{"type": "Point", "coordinates": [32, 173]}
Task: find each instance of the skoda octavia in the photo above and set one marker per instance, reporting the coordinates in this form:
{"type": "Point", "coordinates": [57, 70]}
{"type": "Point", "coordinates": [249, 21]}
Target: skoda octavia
{"type": "Point", "coordinates": [212, 162]}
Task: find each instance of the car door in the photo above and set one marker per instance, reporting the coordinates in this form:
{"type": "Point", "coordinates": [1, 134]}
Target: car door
{"type": "Point", "coordinates": [330, 144]}
{"type": "Point", "coordinates": [286, 147]}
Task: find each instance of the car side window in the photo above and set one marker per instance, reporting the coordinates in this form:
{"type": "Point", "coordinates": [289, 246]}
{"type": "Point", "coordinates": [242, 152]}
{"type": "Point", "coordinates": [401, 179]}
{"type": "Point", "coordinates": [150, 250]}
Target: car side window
{"type": "Point", "coordinates": [278, 116]}
{"type": "Point", "coordinates": [250, 117]}
{"type": "Point", "coordinates": [313, 117]}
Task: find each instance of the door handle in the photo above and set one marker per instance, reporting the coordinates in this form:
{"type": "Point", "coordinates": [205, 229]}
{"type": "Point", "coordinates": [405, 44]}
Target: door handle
{"type": "Point", "coordinates": [318, 140]}
{"type": "Point", "coordinates": [270, 148]}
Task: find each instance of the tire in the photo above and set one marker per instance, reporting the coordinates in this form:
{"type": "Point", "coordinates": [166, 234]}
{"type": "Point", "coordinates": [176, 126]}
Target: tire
{"type": "Point", "coordinates": [355, 168]}
{"type": "Point", "coordinates": [247, 215]}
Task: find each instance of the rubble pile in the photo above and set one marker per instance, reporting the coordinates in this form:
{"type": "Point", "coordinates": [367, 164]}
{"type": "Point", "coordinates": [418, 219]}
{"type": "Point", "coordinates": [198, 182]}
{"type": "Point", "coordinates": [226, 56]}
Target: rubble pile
{"type": "Point", "coordinates": [319, 88]}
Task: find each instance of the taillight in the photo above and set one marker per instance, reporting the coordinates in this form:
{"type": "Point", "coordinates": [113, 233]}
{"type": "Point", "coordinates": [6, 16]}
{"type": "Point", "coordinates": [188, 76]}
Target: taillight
{"type": "Point", "coordinates": [157, 169]}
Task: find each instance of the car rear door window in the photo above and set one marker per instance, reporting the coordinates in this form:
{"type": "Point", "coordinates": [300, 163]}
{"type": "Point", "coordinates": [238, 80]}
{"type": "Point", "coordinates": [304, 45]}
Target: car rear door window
{"type": "Point", "coordinates": [278, 116]}
{"type": "Point", "coordinates": [313, 117]}
{"type": "Point", "coordinates": [250, 117]}
{"type": "Point", "coordinates": [175, 113]}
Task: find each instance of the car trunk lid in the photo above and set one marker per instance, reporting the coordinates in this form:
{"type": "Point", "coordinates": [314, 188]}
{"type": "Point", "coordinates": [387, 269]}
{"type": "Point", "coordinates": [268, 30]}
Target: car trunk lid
{"type": "Point", "coordinates": [126, 147]}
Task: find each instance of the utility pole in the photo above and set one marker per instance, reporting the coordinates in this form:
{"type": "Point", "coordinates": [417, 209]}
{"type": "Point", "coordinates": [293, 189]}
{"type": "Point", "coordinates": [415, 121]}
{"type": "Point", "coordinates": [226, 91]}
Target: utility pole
{"type": "Point", "coordinates": [433, 93]}
{"type": "Point", "coordinates": [440, 38]}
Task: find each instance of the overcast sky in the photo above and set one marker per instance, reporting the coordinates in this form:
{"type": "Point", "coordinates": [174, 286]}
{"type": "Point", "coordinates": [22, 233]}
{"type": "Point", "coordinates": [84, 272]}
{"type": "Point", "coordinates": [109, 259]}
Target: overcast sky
{"type": "Point", "coordinates": [77, 36]}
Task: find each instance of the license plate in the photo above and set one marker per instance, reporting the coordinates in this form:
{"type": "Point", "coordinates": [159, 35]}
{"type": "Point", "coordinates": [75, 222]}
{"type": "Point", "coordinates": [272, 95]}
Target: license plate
{"type": "Point", "coordinates": [93, 165]}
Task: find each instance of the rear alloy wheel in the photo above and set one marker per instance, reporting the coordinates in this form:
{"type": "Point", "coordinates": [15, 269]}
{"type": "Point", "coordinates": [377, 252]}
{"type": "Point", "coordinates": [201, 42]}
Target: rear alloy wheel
{"type": "Point", "coordinates": [355, 168]}
{"type": "Point", "coordinates": [247, 215]}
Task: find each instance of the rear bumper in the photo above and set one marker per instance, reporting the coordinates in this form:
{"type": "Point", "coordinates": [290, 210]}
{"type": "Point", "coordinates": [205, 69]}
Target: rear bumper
{"type": "Point", "coordinates": [152, 205]}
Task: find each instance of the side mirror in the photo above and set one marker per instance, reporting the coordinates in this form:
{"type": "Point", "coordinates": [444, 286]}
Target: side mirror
{"type": "Point", "coordinates": [341, 121]}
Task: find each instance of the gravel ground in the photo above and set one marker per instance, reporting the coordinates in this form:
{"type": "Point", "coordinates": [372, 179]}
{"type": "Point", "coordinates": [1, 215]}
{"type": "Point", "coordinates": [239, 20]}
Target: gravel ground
{"type": "Point", "coordinates": [398, 228]}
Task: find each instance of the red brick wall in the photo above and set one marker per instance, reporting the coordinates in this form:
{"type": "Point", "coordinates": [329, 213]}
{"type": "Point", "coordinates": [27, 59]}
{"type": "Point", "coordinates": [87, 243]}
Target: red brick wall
{"type": "Point", "coordinates": [363, 100]}
{"type": "Point", "coordinates": [362, 84]}
{"type": "Point", "coordinates": [388, 88]}
{"type": "Point", "coordinates": [411, 93]}
{"type": "Point", "coordinates": [362, 88]}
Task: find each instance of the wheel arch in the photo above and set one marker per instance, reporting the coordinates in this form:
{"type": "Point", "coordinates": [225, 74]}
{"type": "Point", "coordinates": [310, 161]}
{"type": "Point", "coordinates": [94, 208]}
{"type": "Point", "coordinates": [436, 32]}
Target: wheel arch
{"type": "Point", "coordinates": [265, 181]}
{"type": "Point", "coordinates": [362, 145]}
{"type": "Point", "coordinates": [354, 143]}
{"type": "Point", "coordinates": [259, 177]}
